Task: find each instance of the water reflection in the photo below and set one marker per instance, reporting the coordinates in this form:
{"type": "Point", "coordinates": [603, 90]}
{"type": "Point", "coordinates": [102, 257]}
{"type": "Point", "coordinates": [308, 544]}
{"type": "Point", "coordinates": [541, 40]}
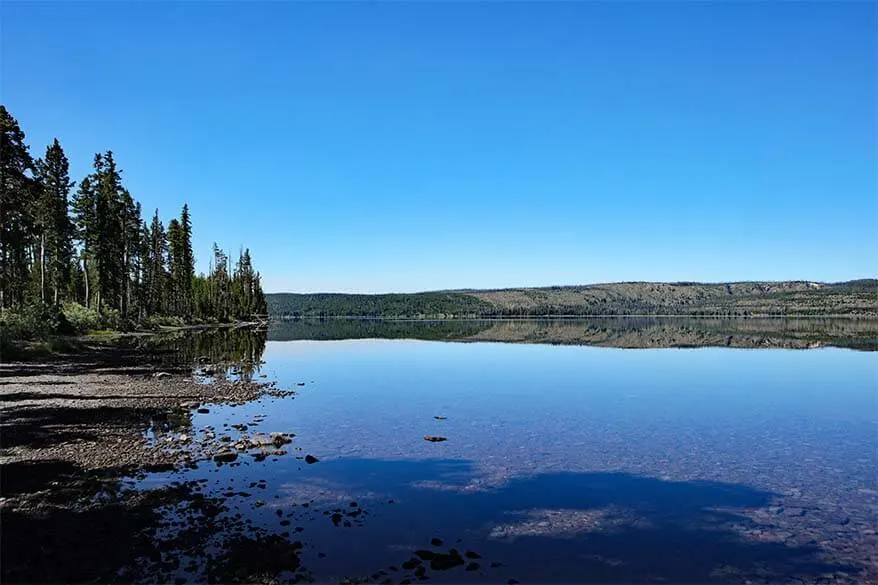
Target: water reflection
{"type": "Point", "coordinates": [630, 332]}
{"type": "Point", "coordinates": [217, 351]}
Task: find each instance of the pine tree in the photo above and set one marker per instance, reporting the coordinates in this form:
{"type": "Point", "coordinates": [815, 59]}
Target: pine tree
{"type": "Point", "coordinates": [53, 224]}
{"type": "Point", "coordinates": [17, 187]}
{"type": "Point", "coordinates": [130, 223]}
{"type": "Point", "coordinates": [220, 284]}
{"type": "Point", "coordinates": [156, 267]}
{"type": "Point", "coordinates": [187, 260]}
{"type": "Point", "coordinates": [85, 224]}
{"type": "Point", "coordinates": [109, 254]}
{"type": "Point", "coordinates": [175, 267]}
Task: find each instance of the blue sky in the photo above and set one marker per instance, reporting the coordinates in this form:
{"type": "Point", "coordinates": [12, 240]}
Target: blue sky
{"type": "Point", "coordinates": [407, 146]}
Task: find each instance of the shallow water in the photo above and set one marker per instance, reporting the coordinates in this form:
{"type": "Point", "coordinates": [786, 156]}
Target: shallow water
{"type": "Point", "coordinates": [562, 463]}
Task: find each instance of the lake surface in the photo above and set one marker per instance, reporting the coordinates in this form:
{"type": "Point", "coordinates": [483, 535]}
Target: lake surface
{"type": "Point", "coordinates": [563, 463]}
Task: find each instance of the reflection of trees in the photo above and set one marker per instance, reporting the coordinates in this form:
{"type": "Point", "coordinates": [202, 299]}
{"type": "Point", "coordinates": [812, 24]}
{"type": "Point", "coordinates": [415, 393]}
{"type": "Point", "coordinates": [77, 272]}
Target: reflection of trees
{"type": "Point", "coordinates": [328, 329]}
{"type": "Point", "coordinates": [226, 348]}
{"type": "Point", "coordinates": [633, 332]}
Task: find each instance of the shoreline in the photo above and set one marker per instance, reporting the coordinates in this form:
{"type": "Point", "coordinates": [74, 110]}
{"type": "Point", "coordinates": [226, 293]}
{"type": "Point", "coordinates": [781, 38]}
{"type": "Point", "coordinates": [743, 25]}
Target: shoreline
{"type": "Point", "coordinates": [75, 424]}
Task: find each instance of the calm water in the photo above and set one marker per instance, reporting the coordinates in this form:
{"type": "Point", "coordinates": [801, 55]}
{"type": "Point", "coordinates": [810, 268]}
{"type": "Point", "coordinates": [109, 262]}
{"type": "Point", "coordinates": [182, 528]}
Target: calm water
{"type": "Point", "coordinates": [562, 463]}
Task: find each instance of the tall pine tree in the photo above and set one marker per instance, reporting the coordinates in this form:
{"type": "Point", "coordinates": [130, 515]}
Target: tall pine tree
{"type": "Point", "coordinates": [17, 189]}
{"type": "Point", "coordinates": [187, 261]}
{"type": "Point", "coordinates": [85, 224]}
{"type": "Point", "coordinates": [53, 223]}
{"type": "Point", "coordinates": [156, 267]}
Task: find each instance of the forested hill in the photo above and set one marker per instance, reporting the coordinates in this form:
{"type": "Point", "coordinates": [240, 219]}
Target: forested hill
{"type": "Point", "coordinates": [858, 297]}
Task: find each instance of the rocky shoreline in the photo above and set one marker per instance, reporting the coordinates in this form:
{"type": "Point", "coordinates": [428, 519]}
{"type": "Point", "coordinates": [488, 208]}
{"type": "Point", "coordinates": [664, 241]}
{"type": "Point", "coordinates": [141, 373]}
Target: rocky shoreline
{"type": "Point", "coordinates": [75, 425]}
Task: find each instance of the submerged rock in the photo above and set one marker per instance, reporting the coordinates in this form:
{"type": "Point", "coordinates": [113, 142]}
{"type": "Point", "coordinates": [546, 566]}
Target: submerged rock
{"type": "Point", "coordinates": [434, 438]}
{"type": "Point", "coordinates": [309, 459]}
{"type": "Point", "coordinates": [444, 562]}
{"type": "Point", "coordinates": [225, 457]}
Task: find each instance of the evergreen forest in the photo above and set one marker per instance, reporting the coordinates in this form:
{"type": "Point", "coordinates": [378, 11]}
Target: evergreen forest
{"type": "Point", "coordinates": [81, 255]}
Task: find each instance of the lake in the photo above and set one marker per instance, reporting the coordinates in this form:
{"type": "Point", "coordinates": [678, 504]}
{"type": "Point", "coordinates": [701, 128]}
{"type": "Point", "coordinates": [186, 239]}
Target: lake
{"type": "Point", "coordinates": [569, 457]}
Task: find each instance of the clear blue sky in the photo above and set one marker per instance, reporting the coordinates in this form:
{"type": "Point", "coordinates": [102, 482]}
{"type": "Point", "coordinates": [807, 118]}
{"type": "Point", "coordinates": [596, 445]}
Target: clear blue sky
{"type": "Point", "coordinates": [412, 146]}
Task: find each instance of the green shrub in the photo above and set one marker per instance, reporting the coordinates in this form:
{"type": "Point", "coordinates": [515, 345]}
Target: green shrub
{"type": "Point", "coordinates": [157, 321]}
{"type": "Point", "coordinates": [33, 322]}
{"type": "Point", "coordinates": [81, 318]}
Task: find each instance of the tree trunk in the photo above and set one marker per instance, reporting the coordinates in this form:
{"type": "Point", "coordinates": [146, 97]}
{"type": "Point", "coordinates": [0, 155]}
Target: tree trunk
{"type": "Point", "coordinates": [85, 273]}
{"type": "Point", "coordinates": [43, 268]}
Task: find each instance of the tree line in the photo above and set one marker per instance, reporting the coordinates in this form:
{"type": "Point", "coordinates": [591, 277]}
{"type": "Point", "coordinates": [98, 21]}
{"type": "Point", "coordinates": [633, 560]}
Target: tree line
{"type": "Point", "coordinates": [87, 244]}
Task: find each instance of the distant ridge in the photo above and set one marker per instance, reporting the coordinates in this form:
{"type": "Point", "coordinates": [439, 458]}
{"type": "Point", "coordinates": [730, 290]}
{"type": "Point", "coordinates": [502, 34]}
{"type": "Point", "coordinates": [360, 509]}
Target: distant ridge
{"type": "Point", "coordinates": [741, 299]}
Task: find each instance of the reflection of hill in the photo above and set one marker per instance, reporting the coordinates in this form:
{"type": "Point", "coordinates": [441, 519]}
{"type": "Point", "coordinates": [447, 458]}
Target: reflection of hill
{"type": "Point", "coordinates": [640, 332]}
{"type": "Point", "coordinates": [649, 332]}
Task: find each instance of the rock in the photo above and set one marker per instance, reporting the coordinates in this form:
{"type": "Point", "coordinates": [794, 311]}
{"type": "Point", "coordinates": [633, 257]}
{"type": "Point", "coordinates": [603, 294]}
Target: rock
{"type": "Point", "coordinates": [444, 562]}
{"type": "Point", "coordinates": [225, 457]}
{"type": "Point", "coordinates": [262, 440]}
{"type": "Point", "coordinates": [411, 563]}
{"type": "Point", "coordinates": [473, 567]}
{"type": "Point", "coordinates": [440, 417]}
{"type": "Point", "coordinates": [512, 582]}
{"type": "Point", "coordinates": [425, 555]}
{"type": "Point", "coordinates": [472, 555]}
{"type": "Point", "coordinates": [309, 459]}
{"type": "Point", "coordinates": [203, 411]}
{"type": "Point", "coordinates": [436, 542]}
{"type": "Point", "coordinates": [434, 439]}
{"type": "Point", "coordinates": [280, 439]}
